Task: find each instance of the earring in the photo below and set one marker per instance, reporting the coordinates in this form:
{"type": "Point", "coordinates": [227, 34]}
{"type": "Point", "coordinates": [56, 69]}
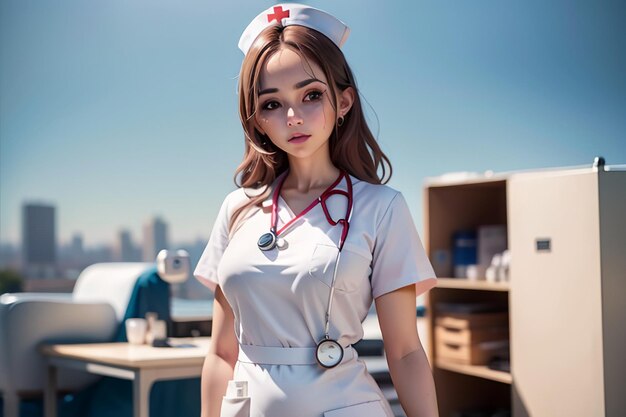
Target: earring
{"type": "Point", "coordinates": [340, 121]}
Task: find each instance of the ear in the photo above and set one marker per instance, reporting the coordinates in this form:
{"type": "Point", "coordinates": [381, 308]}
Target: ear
{"type": "Point", "coordinates": [346, 99]}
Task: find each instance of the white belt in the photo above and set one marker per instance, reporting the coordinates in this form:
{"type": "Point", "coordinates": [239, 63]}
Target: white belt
{"type": "Point", "coordinates": [270, 355]}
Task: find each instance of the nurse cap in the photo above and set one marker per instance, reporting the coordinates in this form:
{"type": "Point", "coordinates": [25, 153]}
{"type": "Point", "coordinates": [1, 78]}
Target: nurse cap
{"type": "Point", "coordinates": [286, 14]}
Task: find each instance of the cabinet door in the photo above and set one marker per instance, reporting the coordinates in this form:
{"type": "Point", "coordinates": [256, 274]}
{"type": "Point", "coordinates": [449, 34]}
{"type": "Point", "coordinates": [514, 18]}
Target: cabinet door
{"type": "Point", "coordinates": [555, 298]}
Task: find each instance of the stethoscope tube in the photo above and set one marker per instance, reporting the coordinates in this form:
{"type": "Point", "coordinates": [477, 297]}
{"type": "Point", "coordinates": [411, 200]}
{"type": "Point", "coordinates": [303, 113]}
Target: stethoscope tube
{"type": "Point", "coordinates": [332, 284]}
{"type": "Point", "coordinates": [269, 240]}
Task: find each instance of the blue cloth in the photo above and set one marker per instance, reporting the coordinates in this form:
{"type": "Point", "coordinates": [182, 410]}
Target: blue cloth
{"type": "Point", "coordinates": [150, 293]}
{"type": "Point", "coordinates": [112, 397]}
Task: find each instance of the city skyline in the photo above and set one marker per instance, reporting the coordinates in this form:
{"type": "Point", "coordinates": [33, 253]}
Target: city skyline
{"type": "Point", "coordinates": [46, 264]}
{"type": "Point", "coordinates": [134, 230]}
{"type": "Point", "coordinates": [136, 239]}
{"type": "Point", "coordinates": [118, 111]}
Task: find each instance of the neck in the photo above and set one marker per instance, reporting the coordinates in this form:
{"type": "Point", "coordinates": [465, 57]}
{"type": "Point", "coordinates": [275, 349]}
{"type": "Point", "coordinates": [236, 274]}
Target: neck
{"type": "Point", "coordinates": [305, 175]}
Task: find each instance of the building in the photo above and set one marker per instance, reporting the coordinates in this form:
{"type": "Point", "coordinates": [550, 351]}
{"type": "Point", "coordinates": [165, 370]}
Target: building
{"type": "Point", "coordinates": [77, 249]}
{"type": "Point", "coordinates": [154, 238]}
{"type": "Point", "coordinates": [39, 257]}
{"type": "Point", "coordinates": [71, 257]}
{"type": "Point", "coordinates": [124, 249]}
{"type": "Point", "coordinates": [9, 256]}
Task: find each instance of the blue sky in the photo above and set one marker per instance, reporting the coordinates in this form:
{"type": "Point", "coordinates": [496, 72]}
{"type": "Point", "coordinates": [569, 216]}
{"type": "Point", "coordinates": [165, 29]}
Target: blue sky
{"type": "Point", "coordinates": [118, 110]}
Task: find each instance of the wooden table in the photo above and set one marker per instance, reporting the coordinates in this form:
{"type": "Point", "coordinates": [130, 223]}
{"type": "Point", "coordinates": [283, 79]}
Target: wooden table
{"type": "Point", "coordinates": [142, 364]}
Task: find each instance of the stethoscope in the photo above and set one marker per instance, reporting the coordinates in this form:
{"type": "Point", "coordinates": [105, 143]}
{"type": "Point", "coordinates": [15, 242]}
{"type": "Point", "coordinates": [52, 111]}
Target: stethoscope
{"type": "Point", "coordinates": [329, 352]}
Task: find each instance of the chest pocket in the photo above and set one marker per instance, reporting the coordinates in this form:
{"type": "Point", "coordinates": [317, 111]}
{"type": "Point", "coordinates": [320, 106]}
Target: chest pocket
{"type": "Point", "coordinates": [353, 271]}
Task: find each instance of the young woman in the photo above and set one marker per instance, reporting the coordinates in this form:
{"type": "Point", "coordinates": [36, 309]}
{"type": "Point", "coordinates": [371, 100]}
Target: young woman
{"type": "Point", "coordinates": [308, 240]}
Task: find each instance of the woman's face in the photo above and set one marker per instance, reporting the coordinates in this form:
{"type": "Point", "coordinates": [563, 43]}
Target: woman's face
{"type": "Point", "coordinates": [294, 107]}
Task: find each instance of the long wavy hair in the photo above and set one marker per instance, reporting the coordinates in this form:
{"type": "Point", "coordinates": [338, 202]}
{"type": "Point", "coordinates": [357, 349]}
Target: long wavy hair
{"type": "Point", "coordinates": [353, 148]}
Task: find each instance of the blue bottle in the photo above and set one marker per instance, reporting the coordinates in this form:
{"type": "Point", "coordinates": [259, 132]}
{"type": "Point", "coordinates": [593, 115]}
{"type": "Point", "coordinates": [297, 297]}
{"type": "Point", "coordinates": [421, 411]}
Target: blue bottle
{"type": "Point", "coordinates": [464, 251]}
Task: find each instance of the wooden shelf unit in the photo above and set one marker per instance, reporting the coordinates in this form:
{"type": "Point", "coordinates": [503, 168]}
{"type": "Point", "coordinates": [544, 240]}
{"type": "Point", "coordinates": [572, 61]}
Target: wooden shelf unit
{"type": "Point", "coordinates": [475, 370]}
{"type": "Point", "coordinates": [466, 284]}
{"type": "Point", "coordinates": [567, 238]}
{"type": "Point", "coordinates": [448, 208]}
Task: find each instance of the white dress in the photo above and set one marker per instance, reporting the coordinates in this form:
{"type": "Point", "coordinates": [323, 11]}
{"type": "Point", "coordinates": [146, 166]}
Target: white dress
{"type": "Point", "coordinates": [279, 297]}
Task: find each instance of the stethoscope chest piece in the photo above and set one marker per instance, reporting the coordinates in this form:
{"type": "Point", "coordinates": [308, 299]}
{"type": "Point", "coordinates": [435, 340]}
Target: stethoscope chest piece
{"type": "Point", "coordinates": [267, 241]}
{"type": "Point", "coordinates": [329, 353]}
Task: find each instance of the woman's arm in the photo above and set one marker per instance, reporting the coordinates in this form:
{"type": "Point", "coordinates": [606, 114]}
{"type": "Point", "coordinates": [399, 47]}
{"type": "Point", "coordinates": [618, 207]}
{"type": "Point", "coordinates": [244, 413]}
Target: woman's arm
{"type": "Point", "coordinates": [220, 361]}
{"type": "Point", "coordinates": [408, 365]}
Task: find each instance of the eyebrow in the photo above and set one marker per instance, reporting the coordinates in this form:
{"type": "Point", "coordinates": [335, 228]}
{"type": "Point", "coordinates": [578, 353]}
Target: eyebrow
{"type": "Point", "coordinates": [299, 84]}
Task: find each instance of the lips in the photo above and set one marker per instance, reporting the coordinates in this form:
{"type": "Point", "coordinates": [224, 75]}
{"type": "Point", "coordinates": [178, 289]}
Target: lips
{"type": "Point", "coordinates": [299, 137]}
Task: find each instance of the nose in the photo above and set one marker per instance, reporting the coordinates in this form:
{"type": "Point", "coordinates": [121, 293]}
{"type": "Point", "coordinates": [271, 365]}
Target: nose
{"type": "Point", "coordinates": [292, 119]}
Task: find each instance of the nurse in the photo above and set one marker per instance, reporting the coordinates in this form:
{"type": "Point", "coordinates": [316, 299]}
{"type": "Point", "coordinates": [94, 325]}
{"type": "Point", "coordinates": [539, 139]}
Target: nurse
{"type": "Point", "coordinates": [309, 239]}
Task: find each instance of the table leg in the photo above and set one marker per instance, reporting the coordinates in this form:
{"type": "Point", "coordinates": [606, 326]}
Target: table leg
{"type": "Point", "coordinates": [50, 393]}
{"type": "Point", "coordinates": [142, 383]}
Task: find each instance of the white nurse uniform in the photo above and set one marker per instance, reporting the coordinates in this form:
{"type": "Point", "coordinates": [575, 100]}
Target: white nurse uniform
{"type": "Point", "coordinates": [279, 297]}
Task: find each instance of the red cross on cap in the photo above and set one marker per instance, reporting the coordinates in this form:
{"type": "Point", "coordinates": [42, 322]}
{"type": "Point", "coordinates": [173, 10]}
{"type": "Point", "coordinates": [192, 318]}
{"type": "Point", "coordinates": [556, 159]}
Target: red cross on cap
{"type": "Point", "coordinates": [278, 14]}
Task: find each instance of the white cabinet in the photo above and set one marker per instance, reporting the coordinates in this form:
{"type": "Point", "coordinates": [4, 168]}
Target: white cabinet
{"type": "Point", "coordinates": [567, 234]}
{"type": "Point", "coordinates": [566, 297]}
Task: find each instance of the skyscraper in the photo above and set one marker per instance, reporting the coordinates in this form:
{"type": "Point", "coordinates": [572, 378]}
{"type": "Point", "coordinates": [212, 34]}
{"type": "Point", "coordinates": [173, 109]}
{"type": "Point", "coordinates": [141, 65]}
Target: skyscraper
{"type": "Point", "coordinates": [38, 241]}
{"type": "Point", "coordinates": [124, 250]}
{"type": "Point", "coordinates": [154, 238]}
{"type": "Point", "coordinates": [77, 250]}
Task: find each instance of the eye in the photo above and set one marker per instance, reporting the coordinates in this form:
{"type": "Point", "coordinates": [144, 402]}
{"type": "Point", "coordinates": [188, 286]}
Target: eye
{"type": "Point", "coordinates": [314, 95]}
{"type": "Point", "coordinates": [270, 105]}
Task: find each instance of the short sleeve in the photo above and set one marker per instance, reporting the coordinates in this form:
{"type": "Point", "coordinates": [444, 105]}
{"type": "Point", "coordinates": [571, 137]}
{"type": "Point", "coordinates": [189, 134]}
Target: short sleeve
{"type": "Point", "coordinates": [399, 258]}
{"type": "Point", "coordinates": [206, 270]}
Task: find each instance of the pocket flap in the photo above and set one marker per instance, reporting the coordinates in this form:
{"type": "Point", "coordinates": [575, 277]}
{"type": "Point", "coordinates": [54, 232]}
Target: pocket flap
{"type": "Point", "coordinates": [235, 407]}
{"type": "Point", "coordinates": [368, 409]}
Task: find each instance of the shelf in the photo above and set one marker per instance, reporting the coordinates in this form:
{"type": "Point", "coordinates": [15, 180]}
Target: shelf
{"type": "Point", "coordinates": [451, 206]}
{"type": "Point", "coordinates": [474, 370]}
{"type": "Point", "coordinates": [466, 284]}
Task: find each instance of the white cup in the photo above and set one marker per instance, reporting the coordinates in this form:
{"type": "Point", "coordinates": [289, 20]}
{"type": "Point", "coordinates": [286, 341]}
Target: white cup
{"type": "Point", "coordinates": [136, 331]}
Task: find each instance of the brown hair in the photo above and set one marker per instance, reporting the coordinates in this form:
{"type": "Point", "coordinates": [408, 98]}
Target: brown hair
{"type": "Point", "coordinates": [353, 148]}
